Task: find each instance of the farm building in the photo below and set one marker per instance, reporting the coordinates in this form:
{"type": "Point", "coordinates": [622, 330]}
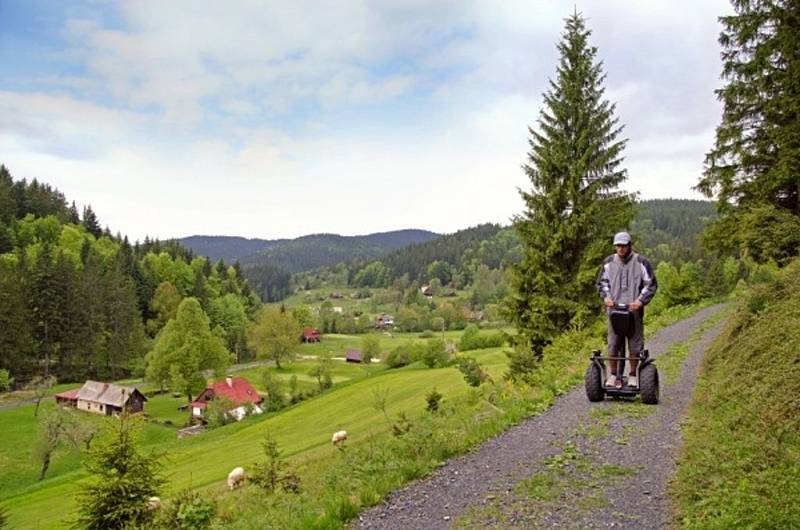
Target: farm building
{"type": "Point", "coordinates": [353, 356]}
{"type": "Point", "coordinates": [311, 335]}
{"type": "Point", "coordinates": [237, 390]}
{"type": "Point", "coordinates": [384, 321]}
{"type": "Point", "coordinates": [103, 398]}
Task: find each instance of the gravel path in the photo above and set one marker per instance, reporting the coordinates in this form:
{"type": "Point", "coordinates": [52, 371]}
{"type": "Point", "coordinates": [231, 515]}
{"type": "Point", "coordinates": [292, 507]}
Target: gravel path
{"type": "Point", "coordinates": [578, 465]}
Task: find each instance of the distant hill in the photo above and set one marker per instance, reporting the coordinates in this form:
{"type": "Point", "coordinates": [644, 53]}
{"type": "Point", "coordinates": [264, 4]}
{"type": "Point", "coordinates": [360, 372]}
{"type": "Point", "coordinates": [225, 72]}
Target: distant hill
{"type": "Point", "coordinates": [452, 249]}
{"type": "Point", "coordinates": [671, 229]}
{"type": "Point", "coordinates": [228, 248]}
{"type": "Point", "coordinates": [304, 253]}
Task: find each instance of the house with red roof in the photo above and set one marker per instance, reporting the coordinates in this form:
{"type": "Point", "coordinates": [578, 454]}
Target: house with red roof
{"type": "Point", "coordinates": [237, 390]}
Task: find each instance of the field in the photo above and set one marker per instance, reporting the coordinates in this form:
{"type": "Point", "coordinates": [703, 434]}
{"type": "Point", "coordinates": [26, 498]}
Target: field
{"type": "Point", "coordinates": [303, 430]}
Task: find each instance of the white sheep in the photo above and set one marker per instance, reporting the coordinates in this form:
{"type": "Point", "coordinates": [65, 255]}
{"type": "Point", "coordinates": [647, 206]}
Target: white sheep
{"type": "Point", "coordinates": [338, 437]}
{"type": "Point", "coordinates": [153, 503]}
{"type": "Point", "coordinates": [236, 478]}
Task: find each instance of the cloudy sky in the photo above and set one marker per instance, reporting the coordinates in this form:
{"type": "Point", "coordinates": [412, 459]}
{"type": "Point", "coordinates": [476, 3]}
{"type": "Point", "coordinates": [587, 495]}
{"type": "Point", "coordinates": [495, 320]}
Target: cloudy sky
{"type": "Point", "coordinates": [278, 119]}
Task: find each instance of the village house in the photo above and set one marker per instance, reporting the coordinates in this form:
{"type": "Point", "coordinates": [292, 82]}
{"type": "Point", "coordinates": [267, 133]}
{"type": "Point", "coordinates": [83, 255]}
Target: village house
{"type": "Point", "coordinates": [237, 390]}
{"type": "Point", "coordinates": [384, 321]}
{"type": "Point", "coordinates": [103, 398]}
{"type": "Point", "coordinates": [311, 335]}
{"type": "Point", "coordinates": [426, 290]}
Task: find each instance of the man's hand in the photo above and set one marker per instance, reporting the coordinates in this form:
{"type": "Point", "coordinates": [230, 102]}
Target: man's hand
{"type": "Point", "coordinates": [609, 302]}
{"type": "Point", "coordinates": [635, 305]}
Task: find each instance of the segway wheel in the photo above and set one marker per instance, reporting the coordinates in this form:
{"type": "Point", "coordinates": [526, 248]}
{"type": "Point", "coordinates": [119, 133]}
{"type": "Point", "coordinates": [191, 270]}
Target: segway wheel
{"type": "Point", "coordinates": [594, 383]}
{"type": "Point", "coordinates": [648, 383]}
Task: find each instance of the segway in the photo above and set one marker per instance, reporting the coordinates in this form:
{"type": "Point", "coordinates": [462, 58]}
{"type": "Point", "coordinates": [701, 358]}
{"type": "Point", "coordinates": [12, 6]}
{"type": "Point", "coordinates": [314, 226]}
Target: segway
{"type": "Point", "coordinates": [596, 374]}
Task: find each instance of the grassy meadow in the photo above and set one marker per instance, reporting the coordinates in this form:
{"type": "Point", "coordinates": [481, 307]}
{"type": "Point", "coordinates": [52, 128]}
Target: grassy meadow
{"type": "Point", "coordinates": [303, 433]}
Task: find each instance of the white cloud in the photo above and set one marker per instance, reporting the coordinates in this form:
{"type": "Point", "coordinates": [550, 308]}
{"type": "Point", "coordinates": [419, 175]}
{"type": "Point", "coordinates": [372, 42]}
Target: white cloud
{"type": "Point", "coordinates": [281, 119]}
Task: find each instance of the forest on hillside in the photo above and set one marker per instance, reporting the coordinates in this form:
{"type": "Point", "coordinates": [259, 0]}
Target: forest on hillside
{"type": "Point", "coordinates": [77, 301]}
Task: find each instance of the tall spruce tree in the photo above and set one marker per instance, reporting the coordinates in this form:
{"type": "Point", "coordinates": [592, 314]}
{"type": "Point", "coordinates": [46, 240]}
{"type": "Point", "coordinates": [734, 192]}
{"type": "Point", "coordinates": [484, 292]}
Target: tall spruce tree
{"type": "Point", "coordinates": [122, 480]}
{"type": "Point", "coordinates": [754, 164]}
{"type": "Point", "coordinates": [574, 206]}
{"type": "Point", "coordinates": [90, 221]}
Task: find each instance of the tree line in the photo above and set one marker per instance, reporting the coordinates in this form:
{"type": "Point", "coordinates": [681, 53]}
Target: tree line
{"type": "Point", "coordinates": [77, 301]}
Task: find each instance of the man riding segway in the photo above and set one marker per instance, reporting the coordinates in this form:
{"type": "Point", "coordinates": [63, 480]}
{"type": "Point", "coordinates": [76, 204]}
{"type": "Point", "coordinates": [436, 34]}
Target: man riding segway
{"type": "Point", "coordinates": [626, 282]}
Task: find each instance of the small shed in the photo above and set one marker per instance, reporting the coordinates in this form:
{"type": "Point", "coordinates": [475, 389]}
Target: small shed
{"type": "Point", "coordinates": [311, 335]}
{"type": "Point", "coordinates": [353, 356]}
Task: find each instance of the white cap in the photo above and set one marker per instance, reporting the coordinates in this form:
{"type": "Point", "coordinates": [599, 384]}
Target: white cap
{"type": "Point", "coordinates": [622, 238]}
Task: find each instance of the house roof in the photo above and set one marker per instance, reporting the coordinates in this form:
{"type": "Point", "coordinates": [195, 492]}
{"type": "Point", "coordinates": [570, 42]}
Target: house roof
{"type": "Point", "coordinates": [310, 332]}
{"type": "Point", "coordinates": [353, 355]}
{"type": "Point", "coordinates": [240, 391]}
{"type": "Point", "coordinates": [106, 393]}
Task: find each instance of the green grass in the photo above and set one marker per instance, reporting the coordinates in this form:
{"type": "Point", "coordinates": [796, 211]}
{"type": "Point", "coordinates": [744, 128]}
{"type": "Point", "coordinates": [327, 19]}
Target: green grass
{"type": "Point", "coordinates": [302, 431]}
{"type": "Point", "coordinates": [741, 459]}
{"type": "Point", "coordinates": [334, 483]}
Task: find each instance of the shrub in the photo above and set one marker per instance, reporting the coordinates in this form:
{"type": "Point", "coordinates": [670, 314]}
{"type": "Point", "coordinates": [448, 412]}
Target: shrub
{"type": "Point", "coordinates": [473, 339]}
{"type": "Point", "coordinates": [469, 337]}
{"type": "Point", "coordinates": [188, 510]}
{"type": "Point", "coordinates": [276, 397]}
{"type": "Point", "coordinates": [6, 381]}
{"type": "Point", "coordinates": [400, 356]}
{"type": "Point", "coordinates": [402, 425]}
{"type": "Point", "coordinates": [273, 472]}
{"type": "Point", "coordinates": [474, 375]}
{"type": "Point", "coordinates": [322, 372]}
{"type": "Point", "coordinates": [370, 347]}
{"type": "Point", "coordinates": [435, 353]}
{"type": "Point", "coordinates": [433, 400]}
{"type": "Point", "coordinates": [295, 396]}
{"type": "Point", "coordinates": [427, 334]}
{"type": "Point", "coordinates": [217, 412]}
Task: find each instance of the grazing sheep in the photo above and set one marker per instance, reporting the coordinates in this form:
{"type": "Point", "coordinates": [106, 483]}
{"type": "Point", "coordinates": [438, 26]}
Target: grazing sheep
{"type": "Point", "coordinates": [235, 478]}
{"type": "Point", "coordinates": [338, 437]}
{"type": "Point", "coordinates": [153, 503]}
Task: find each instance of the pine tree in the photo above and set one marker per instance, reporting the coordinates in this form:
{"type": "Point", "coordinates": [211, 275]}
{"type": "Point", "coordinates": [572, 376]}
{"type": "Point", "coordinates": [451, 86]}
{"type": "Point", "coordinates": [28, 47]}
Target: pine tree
{"type": "Point", "coordinates": [47, 301]}
{"type": "Point", "coordinates": [755, 160]}
{"type": "Point", "coordinates": [123, 480]}
{"type": "Point", "coordinates": [16, 328]}
{"type": "Point", "coordinates": [574, 206]}
{"type": "Point", "coordinates": [90, 222]}
{"type": "Point", "coordinates": [73, 216]}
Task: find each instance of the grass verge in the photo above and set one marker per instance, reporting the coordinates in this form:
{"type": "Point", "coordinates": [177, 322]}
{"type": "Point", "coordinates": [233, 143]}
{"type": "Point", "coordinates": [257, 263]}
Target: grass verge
{"type": "Point", "coordinates": [741, 458]}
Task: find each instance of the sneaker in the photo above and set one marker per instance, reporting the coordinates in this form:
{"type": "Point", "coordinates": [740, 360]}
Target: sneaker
{"type": "Point", "coordinates": [633, 381]}
{"type": "Point", "coordinates": [612, 380]}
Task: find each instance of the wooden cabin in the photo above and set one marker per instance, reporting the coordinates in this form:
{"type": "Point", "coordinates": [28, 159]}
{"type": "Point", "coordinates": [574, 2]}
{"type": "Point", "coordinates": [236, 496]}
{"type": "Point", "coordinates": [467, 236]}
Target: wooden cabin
{"type": "Point", "coordinates": [106, 399]}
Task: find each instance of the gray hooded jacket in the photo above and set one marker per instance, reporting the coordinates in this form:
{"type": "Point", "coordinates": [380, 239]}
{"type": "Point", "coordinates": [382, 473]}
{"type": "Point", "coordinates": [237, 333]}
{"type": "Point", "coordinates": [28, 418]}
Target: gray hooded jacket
{"type": "Point", "coordinates": [628, 280]}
